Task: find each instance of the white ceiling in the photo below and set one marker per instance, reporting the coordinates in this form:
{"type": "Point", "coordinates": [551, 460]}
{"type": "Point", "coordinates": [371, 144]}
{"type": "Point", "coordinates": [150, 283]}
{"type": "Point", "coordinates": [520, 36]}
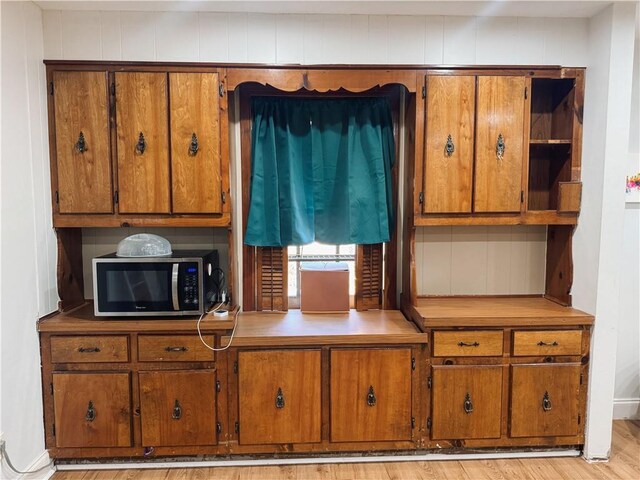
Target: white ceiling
{"type": "Point", "coordinates": [503, 8]}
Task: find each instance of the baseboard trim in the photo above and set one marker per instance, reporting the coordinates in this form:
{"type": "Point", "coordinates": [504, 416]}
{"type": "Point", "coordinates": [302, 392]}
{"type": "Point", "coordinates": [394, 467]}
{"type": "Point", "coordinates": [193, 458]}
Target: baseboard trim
{"type": "Point", "coordinates": [626, 408]}
{"type": "Point", "coordinates": [41, 461]}
{"type": "Point", "coordinates": [320, 460]}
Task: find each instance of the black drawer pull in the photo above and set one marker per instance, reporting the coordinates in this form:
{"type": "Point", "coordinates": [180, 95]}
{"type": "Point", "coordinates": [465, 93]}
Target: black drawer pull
{"type": "Point", "coordinates": [546, 402]}
{"type": "Point", "coordinates": [177, 411]}
{"type": "Point", "coordinates": [89, 350]}
{"type": "Point", "coordinates": [91, 413]}
{"type": "Point", "coordinates": [468, 405]}
{"type": "Point", "coordinates": [176, 349]}
{"type": "Point", "coordinates": [545, 344]}
{"type": "Point", "coordinates": [463, 344]}
{"type": "Point", "coordinates": [371, 397]}
{"type": "Point", "coordinates": [279, 399]}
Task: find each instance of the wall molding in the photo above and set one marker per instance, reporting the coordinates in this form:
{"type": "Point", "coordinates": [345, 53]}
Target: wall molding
{"type": "Point", "coordinates": [626, 408]}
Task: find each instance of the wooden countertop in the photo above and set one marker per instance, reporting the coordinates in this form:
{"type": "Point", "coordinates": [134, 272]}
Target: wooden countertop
{"type": "Point", "coordinates": [82, 320]}
{"type": "Point", "coordinates": [296, 328]}
{"type": "Point", "coordinates": [497, 312]}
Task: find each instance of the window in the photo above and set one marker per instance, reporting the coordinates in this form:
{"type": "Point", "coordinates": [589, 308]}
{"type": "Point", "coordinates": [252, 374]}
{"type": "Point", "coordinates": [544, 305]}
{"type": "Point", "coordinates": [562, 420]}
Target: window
{"type": "Point", "coordinates": [319, 252]}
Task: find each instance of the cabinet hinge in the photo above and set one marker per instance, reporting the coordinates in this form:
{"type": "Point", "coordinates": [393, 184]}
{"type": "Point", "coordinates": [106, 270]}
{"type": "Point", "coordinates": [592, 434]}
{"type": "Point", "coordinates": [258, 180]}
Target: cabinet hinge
{"type": "Point", "coordinates": [235, 367]}
{"type": "Point", "coordinates": [237, 429]}
{"type": "Point", "coordinates": [116, 197]}
{"type": "Point", "coordinates": [113, 88]}
{"type": "Point", "coordinates": [579, 419]}
{"type": "Point", "coordinates": [521, 196]}
{"type": "Point", "coordinates": [221, 89]}
{"type": "Point", "coordinates": [421, 198]}
{"type": "Point", "coordinates": [428, 382]}
{"type": "Point", "coordinates": [57, 197]}
{"type": "Point", "coordinates": [581, 378]}
{"type": "Point", "coordinates": [224, 197]}
{"type": "Point", "coordinates": [51, 385]}
{"type": "Point", "coordinates": [51, 87]}
{"type": "Point", "coordinates": [413, 422]}
{"type": "Point", "coordinates": [526, 90]}
{"type": "Point", "coordinates": [218, 386]}
{"type": "Point", "coordinates": [413, 363]}
{"type": "Point", "coordinates": [219, 428]}
{"type": "Point", "coordinates": [53, 430]}
{"type": "Point", "coordinates": [424, 91]}
{"type": "Point", "coordinates": [429, 423]}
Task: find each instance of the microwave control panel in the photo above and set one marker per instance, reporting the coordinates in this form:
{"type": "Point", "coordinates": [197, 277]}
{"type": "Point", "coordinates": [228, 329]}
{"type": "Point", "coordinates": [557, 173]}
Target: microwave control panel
{"type": "Point", "coordinates": [190, 288]}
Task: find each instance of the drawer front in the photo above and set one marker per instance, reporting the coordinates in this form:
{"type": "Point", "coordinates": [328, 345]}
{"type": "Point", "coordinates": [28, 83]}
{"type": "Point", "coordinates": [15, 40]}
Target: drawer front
{"type": "Point", "coordinates": [89, 348]}
{"type": "Point", "coordinates": [174, 348]}
{"type": "Point", "coordinates": [547, 342]}
{"type": "Point", "coordinates": [476, 343]}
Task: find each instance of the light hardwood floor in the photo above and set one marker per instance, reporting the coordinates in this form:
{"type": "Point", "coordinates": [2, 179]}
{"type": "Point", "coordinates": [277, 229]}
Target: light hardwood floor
{"type": "Point", "coordinates": [624, 464]}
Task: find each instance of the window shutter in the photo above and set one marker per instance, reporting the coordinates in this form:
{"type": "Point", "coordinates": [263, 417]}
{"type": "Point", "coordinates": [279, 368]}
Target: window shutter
{"type": "Point", "coordinates": [369, 277]}
{"type": "Point", "coordinates": [272, 278]}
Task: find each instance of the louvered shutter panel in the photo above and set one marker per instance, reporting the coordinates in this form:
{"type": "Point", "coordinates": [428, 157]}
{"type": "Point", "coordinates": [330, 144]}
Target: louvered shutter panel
{"type": "Point", "coordinates": [369, 277]}
{"type": "Point", "coordinates": [272, 278]}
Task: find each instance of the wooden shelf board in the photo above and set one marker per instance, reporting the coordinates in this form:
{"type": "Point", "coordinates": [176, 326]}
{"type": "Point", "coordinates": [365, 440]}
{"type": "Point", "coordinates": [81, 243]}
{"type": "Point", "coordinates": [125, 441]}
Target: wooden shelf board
{"type": "Point", "coordinates": [296, 328]}
{"type": "Point", "coordinates": [115, 220]}
{"type": "Point", "coordinates": [531, 217]}
{"type": "Point", "coordinates": [535, 141]}
{"type": "Point", "coordinates": [83, 320]}
{"type": "Point", "coordinates": [497, 312]}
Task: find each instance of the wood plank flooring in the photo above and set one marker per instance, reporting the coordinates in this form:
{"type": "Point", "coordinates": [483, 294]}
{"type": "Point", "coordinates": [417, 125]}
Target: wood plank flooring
{"type": "Point", "coordinates": [624, 464]}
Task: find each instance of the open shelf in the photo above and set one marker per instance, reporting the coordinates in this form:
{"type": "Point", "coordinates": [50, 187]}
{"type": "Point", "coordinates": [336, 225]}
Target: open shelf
{"type": "Point", "coordinates": [551, 110]}
{"type": "Point", "coordinates": [550, 142]}
{"type": "Point", "coordinates": [549, 165]}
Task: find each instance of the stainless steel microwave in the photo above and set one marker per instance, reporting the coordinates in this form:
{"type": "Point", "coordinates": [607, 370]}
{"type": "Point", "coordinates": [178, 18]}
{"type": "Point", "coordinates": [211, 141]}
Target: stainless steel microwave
{"type": "Point", "coordinates": [180, 284]}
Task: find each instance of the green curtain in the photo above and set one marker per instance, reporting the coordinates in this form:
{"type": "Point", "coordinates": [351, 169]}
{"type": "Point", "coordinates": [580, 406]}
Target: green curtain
{"type": "Point", "coordinates": [321, 171]}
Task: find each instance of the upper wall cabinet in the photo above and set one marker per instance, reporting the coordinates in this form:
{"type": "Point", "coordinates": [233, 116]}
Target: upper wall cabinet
{"type": "Point", "coordinates": [500, 147]}
{"type": "Point", "coordinates": [82, 149]}
{"type": "Point", "coordinates": [499, 144]}
{"type": "Point", "coordinates": [143, 142]}
{"type": "Point", "coordinates": [140, 144]}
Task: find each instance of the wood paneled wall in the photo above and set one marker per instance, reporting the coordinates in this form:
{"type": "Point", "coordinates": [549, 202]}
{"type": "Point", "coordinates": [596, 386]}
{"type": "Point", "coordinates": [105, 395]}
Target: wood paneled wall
{"type": "Point", "coordinates": [478, 260]}
{"type": "Point", "coordinates": [309, 39]}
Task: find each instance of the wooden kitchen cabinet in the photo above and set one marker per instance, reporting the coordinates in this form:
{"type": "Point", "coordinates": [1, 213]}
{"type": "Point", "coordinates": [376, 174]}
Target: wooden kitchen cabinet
{"type": "Point", "coordinates": [196, 183]}
{"type": "Point", "coordinates": [466, 401]}
{"type": "Point", "coordinates": [449, 143]}
{"type": "Point", "coordinates": [370, 395]}
{"type": "Point", "coordinates": [545, 400]}
{"type": "Point", "coordinates": [500, 143]}
{"type": "Point", "coordinates": [178, 407]}
{"type": "Point", "coordinates": [92, 409]}
{"type": "Point", "coordinates": [82, 157]}
{"type": "Point", "coordinates": [279, 396]}
{"type": "Point", "coordinates": [142, 142]}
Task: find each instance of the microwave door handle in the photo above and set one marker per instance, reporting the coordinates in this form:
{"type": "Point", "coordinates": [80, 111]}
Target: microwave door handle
{"type": "Point", "coordinates": [174, 287]}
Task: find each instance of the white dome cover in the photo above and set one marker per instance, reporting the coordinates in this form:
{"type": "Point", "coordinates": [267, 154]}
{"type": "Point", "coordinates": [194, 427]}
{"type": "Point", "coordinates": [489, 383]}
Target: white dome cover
{"type": "Point", "coordinates": [144, 245]}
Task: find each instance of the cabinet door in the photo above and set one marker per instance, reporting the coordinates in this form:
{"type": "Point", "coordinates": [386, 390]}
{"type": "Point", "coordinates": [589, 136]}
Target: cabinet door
{"type": "Point", "coordinates": [279, 396]}
{"type": "Point", "coordinates": [466, 402]}
{"type": "Point", "coordinates": [81, 109]}
{"type": "Point", "coordinates": [499, 144]}
{"type": "Point", "coordinates": [544, 400]}
{"type": "Point", "coordinates": [448, 171]}
{"type": "Point", "coordinates": [195, 143]}
{"type": "Point", "coordinates": [143, 142]}
{"type": "Point", "coordinates": [92, 409]}
{"type": "Point", "coordinates": [370, 395]}
{"type": "Point", "coordinates": [178, 407]}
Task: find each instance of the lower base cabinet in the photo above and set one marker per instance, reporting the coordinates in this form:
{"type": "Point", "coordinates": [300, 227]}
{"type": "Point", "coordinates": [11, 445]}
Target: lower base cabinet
{"type": "Point", "coordinates": [279, 394]}
{"type": "Point", "coordinates": [92, 409]}
{"type": "Point", "coordinates": [545, 400]}
{"type": "Point", "coordinates": [370, 395]}
{"type": "Point", "coordinates": [178, 408]}
{"type": "Point", "coordinates": [466, 402]}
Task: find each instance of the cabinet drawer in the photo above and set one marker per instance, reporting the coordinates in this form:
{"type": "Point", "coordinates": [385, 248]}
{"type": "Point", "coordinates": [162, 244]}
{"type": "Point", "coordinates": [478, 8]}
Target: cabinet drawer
{"type": "Point", "coordinates": [89, 348]}
{"type": "Point", "coordinates": [475, 343]}
{"type": "Point", "coordinates": [174, 348]}
{"type": "Point", "coordinates": [547, 342]}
